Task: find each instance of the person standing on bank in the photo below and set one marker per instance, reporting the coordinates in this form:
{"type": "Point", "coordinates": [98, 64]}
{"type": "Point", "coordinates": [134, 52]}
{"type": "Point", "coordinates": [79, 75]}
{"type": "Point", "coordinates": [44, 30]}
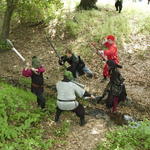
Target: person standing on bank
{"type": "Point", "coordinates": [111, 53]}
{"type": "Point", "coordinates": [67, 91]}
{"type": "Point", "coordinates": [37, 80]}
{"type": "Point", "coordinates": [118, 5]}
{"type": "Point", "coordinates": [77, 66]}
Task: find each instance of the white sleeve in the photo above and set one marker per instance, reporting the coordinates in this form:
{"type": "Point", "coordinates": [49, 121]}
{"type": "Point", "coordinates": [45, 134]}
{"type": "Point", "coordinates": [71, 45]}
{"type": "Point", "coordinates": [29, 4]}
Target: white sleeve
{"type": "Point", "coordinates": [78, 90]}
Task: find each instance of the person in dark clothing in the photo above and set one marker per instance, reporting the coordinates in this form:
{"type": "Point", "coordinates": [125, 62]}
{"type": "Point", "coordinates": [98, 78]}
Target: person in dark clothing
{"type": "Point", "coordinates": [148, 2]}
{"type": "Point", "coordinates": [67, 91]}
{"type": "Point", "coordinates": [37, 80]}
{"type": "Point", "coordinates": [118, 5]}
{"type": "Point", "coordinates": [115, 89]}
{"type": "Point", "coordinates": [77, 66]}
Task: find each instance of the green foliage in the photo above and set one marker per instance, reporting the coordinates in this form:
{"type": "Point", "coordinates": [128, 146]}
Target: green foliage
{"type": "Point", "coordinates": [72, 29]}
{"type": "Point", "coordinates": [127, 138]}
{"type": "Point", "coordinates": [99, 24]}
{"type": "Point", "coordinates": [93, 26]}
{"type": "Point", "coordinates": [36, 10]}
{"type": "Point", "coordinates": [25, 81]}
{"type": "Point", "coordinates": [63, 129]}
{"type": "Point", "coordinates": [2, 6]}
{"type": "Point", "coordinates": [20, 121]}
{"type": "Point", "coordinates": [145, 25]}
{"type": "Point", "coordinates": [4, 45]}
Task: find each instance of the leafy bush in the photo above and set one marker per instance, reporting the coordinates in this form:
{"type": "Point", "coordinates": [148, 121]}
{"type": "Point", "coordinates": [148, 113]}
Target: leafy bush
{"type": "Point", "coordinates": [72, 28]}
{"type": "Point", "coordinates": [4, 45]}
{"type": "Point", "coordinates": [35, 10]}
{"type": "Point", "coordinates": [20, 121]}
{"type": "Point", "coordinates": [127, 138]}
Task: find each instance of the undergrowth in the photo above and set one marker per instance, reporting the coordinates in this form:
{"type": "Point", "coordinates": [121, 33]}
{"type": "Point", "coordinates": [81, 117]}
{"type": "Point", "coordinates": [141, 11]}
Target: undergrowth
{"type": "Point", "coordinates": [83, 27]}
{"type": "Point", "coordinates": [20, 120]}
{"type": "Point", "coordinates": [127, 138]}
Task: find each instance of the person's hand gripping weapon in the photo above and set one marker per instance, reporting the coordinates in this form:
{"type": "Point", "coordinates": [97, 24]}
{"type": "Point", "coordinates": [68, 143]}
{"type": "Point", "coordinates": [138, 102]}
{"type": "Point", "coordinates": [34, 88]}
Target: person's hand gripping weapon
{"type": "Point", "coordinates": [98, 51]}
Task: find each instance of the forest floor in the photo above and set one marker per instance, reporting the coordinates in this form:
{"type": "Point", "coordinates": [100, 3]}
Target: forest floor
{"type": "Point", "coordinates": [134, 56]}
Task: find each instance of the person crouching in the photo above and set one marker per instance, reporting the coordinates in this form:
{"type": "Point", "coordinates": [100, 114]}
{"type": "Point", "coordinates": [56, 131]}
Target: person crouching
{"type": "Point", "coordinates": [67, 91]}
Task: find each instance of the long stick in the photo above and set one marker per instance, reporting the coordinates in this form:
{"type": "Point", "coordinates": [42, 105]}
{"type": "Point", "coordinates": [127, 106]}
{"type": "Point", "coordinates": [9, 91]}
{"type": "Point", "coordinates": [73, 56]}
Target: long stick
{"type": "Point", "coordinates": [50, 43]}
{"type": "Point", "coordinates": [14, 49]}
{"type": "Point", "coordinates": [104, 59]}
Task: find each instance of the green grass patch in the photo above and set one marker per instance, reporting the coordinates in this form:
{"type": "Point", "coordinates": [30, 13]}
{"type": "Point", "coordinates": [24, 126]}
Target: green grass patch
{"type": "Point", "coordinates": [20, 120]}
{"type": "Point", "coordinates": [83, 27]}
{"type": "Point", "coordinates": [25, 81]}
{"type": "Point", "coordinates": [145, 26]}
{"type": "Point", "coordinates": [127, 138]}
{"type": "Point", "coordinates": [63, 130]}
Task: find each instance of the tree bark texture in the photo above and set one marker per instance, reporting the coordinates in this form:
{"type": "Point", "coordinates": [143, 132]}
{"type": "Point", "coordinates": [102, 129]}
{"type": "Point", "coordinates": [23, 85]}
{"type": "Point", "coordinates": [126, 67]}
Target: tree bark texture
{"type": "Point", "coordinates": [87, 4]}
{"type": "Point", "coordinates": [7, 19]}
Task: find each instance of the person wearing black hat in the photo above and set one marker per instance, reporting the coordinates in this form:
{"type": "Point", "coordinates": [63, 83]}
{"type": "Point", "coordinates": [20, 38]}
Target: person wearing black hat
{"type": "Point", "coordinates": [37, 80]}
{"type": "Point", "coordinates": [115, 89]}
{"type": "Point", "coordinates": [67, 91]}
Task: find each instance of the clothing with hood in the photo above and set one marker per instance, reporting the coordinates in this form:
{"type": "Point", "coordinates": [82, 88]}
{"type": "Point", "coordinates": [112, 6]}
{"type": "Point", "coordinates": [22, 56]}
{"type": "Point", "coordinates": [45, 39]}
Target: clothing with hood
{"type": "Point", "coordinates": [115, 88]}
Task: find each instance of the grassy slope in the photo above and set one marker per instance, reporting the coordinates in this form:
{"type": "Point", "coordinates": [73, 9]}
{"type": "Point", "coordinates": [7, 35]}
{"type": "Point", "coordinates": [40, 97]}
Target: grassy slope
{"type": "Point", "coordinates": [20, 120]}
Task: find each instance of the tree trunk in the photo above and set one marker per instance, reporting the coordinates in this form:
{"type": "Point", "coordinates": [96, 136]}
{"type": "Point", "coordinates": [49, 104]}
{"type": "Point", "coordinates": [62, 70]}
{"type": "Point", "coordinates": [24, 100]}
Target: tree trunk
{"type": "Point", "coordinates": [7, 19]}
{"type": "Point", "coordinates": [87, 4]}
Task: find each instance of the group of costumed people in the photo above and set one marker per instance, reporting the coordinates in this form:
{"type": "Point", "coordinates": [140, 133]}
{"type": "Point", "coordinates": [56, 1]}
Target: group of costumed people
{"type": "Point", "coordinates": [68, 90]}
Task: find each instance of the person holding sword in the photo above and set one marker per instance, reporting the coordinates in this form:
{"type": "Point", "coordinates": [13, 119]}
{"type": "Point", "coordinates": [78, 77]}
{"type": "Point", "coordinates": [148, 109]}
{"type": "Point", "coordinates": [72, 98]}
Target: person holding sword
{"type": "Point", "coordinates": [110, 53]}
{"type": "Point", "coordinates": [37, 80]}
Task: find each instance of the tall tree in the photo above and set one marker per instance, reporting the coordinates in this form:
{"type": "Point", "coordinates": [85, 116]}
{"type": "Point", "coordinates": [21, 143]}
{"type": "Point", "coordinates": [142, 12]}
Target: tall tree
{"type": "Point", "coordinates": [87, 4]}
{"type": "Point", "coordinates": [7, 18]}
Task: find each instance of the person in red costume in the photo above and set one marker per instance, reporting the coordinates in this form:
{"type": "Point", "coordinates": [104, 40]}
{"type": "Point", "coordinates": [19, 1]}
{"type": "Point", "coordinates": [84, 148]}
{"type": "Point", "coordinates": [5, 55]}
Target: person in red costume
{"type": "Point", "coordinates": [111, 53]}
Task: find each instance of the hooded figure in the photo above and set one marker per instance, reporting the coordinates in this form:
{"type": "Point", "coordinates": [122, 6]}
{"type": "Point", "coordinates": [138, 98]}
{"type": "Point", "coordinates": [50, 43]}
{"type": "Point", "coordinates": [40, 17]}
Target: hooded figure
{"type": "Point", "coordinates": [67, 92]}
{"type": "Point", "coordinates": [36, 62]}
{"type": "Point", "coordinates": [115, 89]}
{"type": "Point", "coordinates": [37, 80]}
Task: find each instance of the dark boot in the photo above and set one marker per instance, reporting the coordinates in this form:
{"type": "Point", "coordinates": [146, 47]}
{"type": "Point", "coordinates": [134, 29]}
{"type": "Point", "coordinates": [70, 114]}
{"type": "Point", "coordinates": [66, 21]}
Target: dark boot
{"type": "Point", "coordinates": [82, 122]}
{"type": "Point", "coordinates": [56, 118]}
{"type": "Point", "coordinates": [58, 113]}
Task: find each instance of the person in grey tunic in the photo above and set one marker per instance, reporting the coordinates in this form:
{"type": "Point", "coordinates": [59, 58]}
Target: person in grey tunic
{"type": "Point", "coordinates": [67, 91]}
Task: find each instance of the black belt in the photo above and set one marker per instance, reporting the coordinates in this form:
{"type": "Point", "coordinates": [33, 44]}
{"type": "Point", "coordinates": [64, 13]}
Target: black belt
{"type": "Point", "coordinates": [65, 100]}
